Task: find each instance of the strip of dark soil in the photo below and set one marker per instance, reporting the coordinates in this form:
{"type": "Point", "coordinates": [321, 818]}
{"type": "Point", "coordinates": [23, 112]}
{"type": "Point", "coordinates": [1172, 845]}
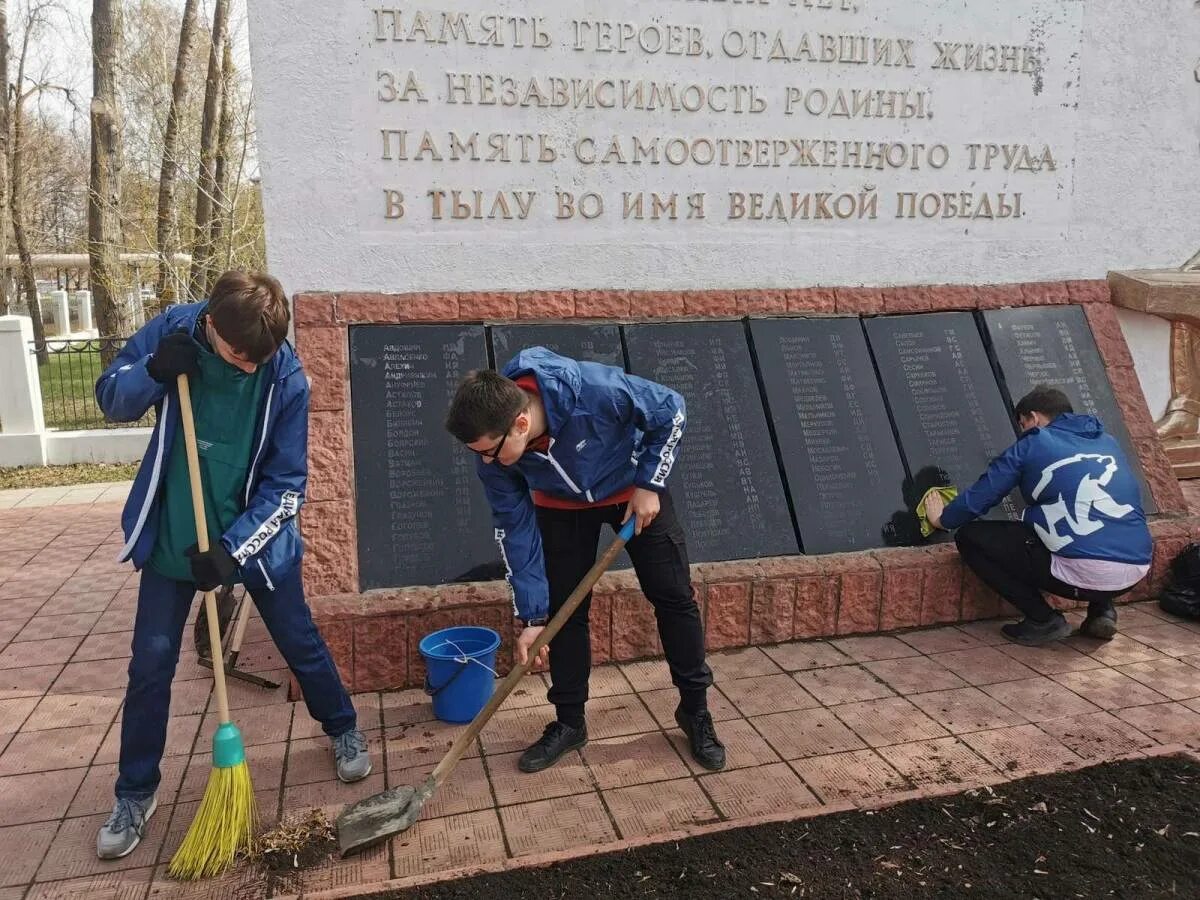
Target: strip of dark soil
{"type": "Point", "coordinates": [1129, 829]}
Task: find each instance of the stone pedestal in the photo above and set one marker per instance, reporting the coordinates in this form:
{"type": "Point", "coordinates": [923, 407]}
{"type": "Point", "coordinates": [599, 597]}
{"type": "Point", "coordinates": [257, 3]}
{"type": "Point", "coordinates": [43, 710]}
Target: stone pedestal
{"type": "Point", "coordinates": [1173, 295]}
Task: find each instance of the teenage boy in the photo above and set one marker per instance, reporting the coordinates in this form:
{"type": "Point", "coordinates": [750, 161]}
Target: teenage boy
{"type": "Point", "coordinates": [1083, 534]}
{"type": "Point", "coordinates": [250, 402]}
{"type": "Point", "coordinates": [564, 448]}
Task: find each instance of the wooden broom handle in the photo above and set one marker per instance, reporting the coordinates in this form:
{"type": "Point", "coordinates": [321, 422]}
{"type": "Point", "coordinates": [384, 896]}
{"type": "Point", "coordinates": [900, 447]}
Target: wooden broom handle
{"type": "Point", "coordinates": [210, 597]}
{"type": "Point", "coordinates": [460, 746]}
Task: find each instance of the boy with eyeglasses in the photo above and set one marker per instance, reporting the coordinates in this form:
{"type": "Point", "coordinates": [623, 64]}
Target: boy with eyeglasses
{"type": "Point", "coordinates": [564, 448]}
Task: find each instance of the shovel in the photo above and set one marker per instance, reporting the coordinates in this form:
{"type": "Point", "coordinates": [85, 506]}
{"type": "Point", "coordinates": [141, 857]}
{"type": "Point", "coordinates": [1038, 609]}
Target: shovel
{"type": "Point", "coordinates": [375, 819]}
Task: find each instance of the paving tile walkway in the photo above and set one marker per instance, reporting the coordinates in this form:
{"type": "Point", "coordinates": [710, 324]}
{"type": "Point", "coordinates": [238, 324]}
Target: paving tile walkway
{"type": "Point", "coordinates": [809, 726]}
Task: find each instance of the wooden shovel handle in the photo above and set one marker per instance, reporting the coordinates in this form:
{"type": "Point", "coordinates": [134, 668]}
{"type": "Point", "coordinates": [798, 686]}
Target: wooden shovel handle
{"type": "Point", "coordinates": [210, 597]}
{"type": "Point", "coordinates": [553, 627]}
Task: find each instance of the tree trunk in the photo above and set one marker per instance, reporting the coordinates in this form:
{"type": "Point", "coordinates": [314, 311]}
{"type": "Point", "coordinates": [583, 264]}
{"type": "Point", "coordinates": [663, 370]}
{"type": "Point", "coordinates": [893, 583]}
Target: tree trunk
{"type": "Point", "coordinates": [206, 183]}
{"type": "Point", "coordinates": [221, 179]}
{"type": "Point", "coordinates": [169, 173]}
{"type": "Point", "coordinates": [16, 202]}
{"type": "Point", "coordinates": [104, 194]}
{"type": "Point", "coordinates": [4, 126]}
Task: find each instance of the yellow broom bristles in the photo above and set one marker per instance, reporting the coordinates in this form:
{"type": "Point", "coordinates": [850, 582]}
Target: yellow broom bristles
{"type": "Point", "coordinates": [223, 827]}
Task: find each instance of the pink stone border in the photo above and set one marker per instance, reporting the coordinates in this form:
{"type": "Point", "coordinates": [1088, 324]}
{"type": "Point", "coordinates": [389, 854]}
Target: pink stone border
{"type": "Point", "coordinates": [373, 634]}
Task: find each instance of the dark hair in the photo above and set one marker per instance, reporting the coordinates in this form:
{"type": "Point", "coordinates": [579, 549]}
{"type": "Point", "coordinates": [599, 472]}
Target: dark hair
{"type": "Point", "coordinates": [250, 311]}
{"type": "Point", "coordinates": [486, 403]}
{"type": "Point", "coordinates": [1050, 402]}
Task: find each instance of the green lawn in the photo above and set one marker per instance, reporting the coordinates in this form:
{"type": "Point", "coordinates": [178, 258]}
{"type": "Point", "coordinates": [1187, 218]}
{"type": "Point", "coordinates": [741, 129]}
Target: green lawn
{"type": "Point", "coordinates": [68, 400]}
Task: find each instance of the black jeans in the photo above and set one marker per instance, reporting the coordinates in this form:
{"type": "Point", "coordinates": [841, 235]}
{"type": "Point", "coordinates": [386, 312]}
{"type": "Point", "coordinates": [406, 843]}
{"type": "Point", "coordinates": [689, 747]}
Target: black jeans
{"type": "Point", "coordinates": [1011, 560]}
{"type": "Point", "coordinates": [659, 554]}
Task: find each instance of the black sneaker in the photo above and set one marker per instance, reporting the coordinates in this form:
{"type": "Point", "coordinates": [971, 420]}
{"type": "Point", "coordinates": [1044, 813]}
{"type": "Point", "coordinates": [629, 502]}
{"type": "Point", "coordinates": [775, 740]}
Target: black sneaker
{"type": "Point", "coordinates": [1031, 633]}
{"type": "Point", "coordinates": [1102, 626]}
{"type": "Point", "coordinates": [556, 740]}
{"type": "Point", "coordinates": [707, 749]}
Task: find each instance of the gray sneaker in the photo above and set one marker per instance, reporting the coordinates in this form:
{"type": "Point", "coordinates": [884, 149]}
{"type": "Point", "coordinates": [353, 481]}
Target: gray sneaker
{"type": "Point", "coordinates": [124, 829]}
{"type": "Point", "coordinates": [350, 752]}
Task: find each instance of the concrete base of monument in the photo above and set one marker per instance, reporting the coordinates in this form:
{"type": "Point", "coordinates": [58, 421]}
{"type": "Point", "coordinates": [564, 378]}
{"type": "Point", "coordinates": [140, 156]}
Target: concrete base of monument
{"type": "Point", "coordinates": [374, 635]}
{"type": "Point", "coordinates": [1184, 457]}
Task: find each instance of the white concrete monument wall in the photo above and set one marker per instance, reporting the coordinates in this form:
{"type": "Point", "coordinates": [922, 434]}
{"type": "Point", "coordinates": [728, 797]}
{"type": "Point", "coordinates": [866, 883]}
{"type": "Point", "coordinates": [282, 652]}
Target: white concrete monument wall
{"type": "Point", "coordinates": [693, 144]}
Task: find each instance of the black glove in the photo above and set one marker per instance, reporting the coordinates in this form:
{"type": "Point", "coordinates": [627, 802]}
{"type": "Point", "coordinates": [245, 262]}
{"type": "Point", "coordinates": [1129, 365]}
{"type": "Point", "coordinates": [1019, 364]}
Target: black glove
{"type": "Point", "coordinates": [177, 354]}
{"type": "Point", "coordinates": [213, 569]}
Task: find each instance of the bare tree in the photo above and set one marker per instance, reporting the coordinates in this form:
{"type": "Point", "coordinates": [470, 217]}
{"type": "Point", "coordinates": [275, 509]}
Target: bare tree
{"type": "Point", "coordinates": [104, 191]}
{"type": "Point", "coordinates": [4, 128]}
{"type": "Point", "coordinates": [169, 174]}
{"type": "Point", "coordinates": [34, 19]}
{"type": "Point", "coordinates": [206, 183]}
{"type": "Point", "coordinates": [221, 179]}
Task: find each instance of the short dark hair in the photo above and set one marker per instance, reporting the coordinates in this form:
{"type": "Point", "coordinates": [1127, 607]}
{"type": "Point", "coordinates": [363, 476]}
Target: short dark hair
{"type": "Point", "coordinates": [1049, 401]}
{"type": "Point", "coordinates": [249, 310]}
{"type": "Point", "coordinates": [485, 403]}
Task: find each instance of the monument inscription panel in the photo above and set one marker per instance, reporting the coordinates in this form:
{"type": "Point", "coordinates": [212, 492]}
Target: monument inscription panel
{"type": "Point", "coordinates": [422, 514]}
{"type": "Point", "coordinates": [946, 405]}
{"type": "Point", "coordinates": [588, 343]}
{"type": "Point", "coordinates": [1055, 346]}
{"type": "Point", "coordinates": [843, 469]}
{"type": "Point", "coordinates": [726, 482]}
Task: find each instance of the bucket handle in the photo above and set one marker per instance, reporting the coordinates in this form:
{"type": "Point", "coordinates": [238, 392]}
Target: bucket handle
{"type": "Point", "coordinates": [463, 661]}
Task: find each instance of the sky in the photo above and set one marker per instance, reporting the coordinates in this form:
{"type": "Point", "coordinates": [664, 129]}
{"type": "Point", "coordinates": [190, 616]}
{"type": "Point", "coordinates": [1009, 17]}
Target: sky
{"type": "Point", "coordinates": [64, 52]}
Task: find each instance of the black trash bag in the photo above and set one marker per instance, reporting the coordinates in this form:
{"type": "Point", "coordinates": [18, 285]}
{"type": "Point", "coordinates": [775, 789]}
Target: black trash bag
{"type": "Point", "coordinates": [226, 606]}
{"type": "Point", "coordinates": [1181, 597]}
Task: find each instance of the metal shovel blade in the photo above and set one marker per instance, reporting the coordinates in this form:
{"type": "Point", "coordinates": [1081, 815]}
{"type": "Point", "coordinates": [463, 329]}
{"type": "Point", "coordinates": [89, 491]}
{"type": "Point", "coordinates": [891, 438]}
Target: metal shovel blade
{"type": "Point", "coordinates": [375, 819]}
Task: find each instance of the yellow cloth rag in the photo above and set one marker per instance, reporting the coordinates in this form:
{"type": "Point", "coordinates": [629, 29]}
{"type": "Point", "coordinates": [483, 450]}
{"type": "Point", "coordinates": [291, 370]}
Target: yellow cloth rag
{"type": "Point", "coordinates": [947, 493]}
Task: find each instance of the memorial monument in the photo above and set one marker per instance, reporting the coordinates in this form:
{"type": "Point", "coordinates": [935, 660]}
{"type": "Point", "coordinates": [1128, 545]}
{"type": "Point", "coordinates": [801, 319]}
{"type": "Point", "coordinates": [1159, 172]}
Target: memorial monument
{"type": "Point", "coordinates": [834, 225]}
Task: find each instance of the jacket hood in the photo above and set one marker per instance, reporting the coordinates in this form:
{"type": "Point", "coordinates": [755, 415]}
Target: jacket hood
{"type": "Point", "coordinates": [558, 377]}
{"type": "Point", "coordinates": [1079, 425]}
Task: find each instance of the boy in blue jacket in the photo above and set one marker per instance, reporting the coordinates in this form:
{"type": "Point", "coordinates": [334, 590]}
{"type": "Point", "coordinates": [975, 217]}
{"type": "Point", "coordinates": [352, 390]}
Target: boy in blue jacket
{"type": "Point", "coordinates": [250, 403]}
{"type": "Point", "coordinates": [564, 448]}
{"type": "Point", "coordinates": [1083, 534]}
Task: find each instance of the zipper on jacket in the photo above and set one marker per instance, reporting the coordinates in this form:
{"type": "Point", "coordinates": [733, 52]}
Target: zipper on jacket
{"type": "Point", "coordinates": [261, 443]}
{"type": "Point", "coordinates": [266, 577]}
{"type": "Point", "coordinates": [561, 472]}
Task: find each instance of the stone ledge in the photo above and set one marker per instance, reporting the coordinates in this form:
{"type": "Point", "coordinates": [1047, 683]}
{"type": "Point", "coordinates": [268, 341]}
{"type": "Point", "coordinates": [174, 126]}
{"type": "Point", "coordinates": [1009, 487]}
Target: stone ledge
{"type": "Point", "coordinates": [374, 635]}
{"type": "Point", "coordinates": [323, 310]}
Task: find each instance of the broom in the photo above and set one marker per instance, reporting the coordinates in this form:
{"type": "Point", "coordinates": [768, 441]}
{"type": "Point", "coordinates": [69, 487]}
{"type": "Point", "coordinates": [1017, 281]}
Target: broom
{"type": "Point", "coordinates": [224, 823]}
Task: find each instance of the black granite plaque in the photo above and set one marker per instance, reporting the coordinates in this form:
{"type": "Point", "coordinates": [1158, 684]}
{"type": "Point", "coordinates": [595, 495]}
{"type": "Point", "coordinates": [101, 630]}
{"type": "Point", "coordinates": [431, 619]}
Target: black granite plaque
{"type": "Point", "coordinates": [587, 343]}
{"type": "Point", "coordinates": [422, 514]}
{"type": "Point", "coordinates": [944, 398]}
{"type": "Point", "coordinates": [839, 454]}
{"type": "Point", "coordinates": [1054, 345]}
{"type": "Point", "coordinates": [726, 482]}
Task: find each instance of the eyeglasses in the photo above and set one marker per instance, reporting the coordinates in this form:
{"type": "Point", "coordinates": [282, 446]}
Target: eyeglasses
{"type": "Point", "coordinates": [494, 453]}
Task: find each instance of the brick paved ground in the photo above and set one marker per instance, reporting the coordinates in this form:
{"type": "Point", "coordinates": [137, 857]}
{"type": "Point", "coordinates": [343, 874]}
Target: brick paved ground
{"type": "Point", "coordinates": [808, 726]}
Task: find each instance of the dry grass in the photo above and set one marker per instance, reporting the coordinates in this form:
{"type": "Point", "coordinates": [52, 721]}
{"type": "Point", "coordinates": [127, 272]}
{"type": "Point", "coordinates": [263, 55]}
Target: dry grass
{"type": "Point", "coordinates": [60, 476]}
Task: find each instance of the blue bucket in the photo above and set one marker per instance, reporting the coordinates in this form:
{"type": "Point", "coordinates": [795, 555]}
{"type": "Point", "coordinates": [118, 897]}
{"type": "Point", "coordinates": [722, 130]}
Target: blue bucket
{"type": "Point", "coordinates": [460, 674]}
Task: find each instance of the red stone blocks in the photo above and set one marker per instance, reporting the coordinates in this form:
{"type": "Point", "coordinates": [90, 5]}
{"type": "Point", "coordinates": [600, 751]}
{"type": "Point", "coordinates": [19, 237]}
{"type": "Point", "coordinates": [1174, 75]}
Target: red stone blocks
{"type": "Point", "coordinates": [380, 646]}
{"type": "Point", "coordinates": [329, 456]}
{"type": "Point", "coordinates": [1110, 340]}
{"type": "Point", "coordinates": [330, 548]}
{"type": "Point", "coordinates": [1045, 293]}
{"type": "Point", "coordinates": [812, 300]}
{"type": "Point", "coordinates": [954, 296]}
{"type": "Point", "coordinates": [602, 304]}
{"type": "Point", "coordinates": [941, 600]}
{"type": "Point", "coordinates": [546, 305]}
{"type": "Point", "coordinates": [912, 299]}
{"type": "Point", "coordinates": [816, 608]}
{"type": "Point", "coordinates": [761, 302]}
{"type": "Point", "coordinates": [323, 352]}
{"type": "Point", "coordinates": [1095, 291]}
{"type": "Point", "coordinates": [859, 301]}
{"type": "Point", "coordinates": [998, 296]}
{"type": "Point", "coordinates": [634, 627]}
{"type": "Point", "coordinates": [488, 305]}
{"type": "Point", "coordinates": [772, 611]}
{"type": "Point", "coordinates": [710, 303]}
{"type": "Point", "coordinates": [727, 616]}
{"type": "Point", "coordinates": [315, 309]}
